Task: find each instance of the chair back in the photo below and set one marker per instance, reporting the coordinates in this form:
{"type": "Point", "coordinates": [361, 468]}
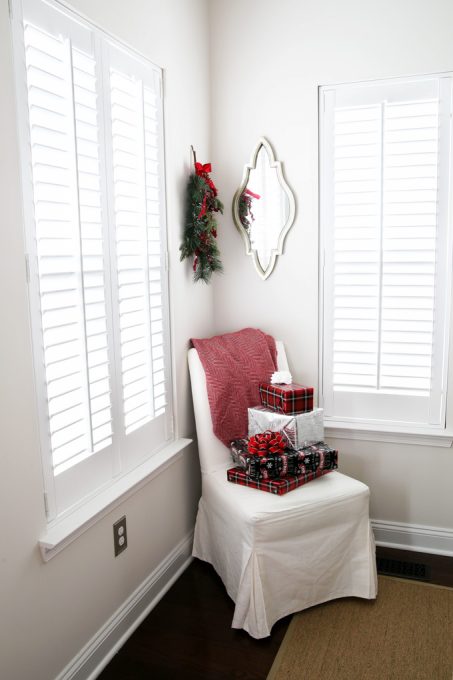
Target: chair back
{"type": "Point", "coordinates": [214, 455]}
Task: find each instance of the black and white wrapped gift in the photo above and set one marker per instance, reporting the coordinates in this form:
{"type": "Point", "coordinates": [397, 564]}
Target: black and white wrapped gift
{"type": "Point", "coordinates": [301, 430]}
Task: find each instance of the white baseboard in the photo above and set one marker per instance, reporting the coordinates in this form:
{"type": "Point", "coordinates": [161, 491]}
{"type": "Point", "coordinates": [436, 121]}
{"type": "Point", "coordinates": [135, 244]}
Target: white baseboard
{"type": "Point", "coordinates": [435, 540]}
{"type": "Point", "coordinates": [96, 654]}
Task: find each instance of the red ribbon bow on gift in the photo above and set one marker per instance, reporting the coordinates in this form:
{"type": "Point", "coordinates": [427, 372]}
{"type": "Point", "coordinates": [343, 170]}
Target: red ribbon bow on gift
{"type": "Point", "coordinates": [266, 442]}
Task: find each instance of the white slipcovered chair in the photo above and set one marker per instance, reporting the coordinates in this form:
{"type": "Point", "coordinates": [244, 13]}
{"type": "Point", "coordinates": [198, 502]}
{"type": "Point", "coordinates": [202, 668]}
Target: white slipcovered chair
{"type": "Point", "coordinates": [278, 554]}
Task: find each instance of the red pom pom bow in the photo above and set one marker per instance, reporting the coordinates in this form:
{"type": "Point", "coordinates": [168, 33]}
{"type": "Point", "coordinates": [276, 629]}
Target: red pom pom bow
{"type": "Point", "coordinates": [267, 442]}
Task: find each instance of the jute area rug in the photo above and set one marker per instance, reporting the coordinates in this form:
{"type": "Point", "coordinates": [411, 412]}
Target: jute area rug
{"type": "Point", "coordinates": [406, 634]}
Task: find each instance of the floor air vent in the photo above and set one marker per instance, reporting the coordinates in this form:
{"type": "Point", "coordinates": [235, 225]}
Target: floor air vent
{"type": "Point", "coordinates": [414, 570]}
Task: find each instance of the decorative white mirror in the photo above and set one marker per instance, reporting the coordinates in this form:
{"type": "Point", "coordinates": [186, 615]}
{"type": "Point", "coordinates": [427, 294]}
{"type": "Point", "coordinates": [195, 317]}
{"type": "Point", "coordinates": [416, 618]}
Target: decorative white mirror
{"type": "Point", "coordinates": [263, 208]}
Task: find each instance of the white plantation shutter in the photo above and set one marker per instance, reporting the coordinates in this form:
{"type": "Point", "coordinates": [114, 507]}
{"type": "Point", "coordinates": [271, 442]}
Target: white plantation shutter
{"type": "Point", "coordinates": [93, 165]}
{"type": "Point", "coordinates": [133, 124]}
{"type": "Point", "coordinates": [137, 243]}
{"type": "Point", "coordinates": [156, 299]}
{"type": "Point", "coordinates": [384, 217]}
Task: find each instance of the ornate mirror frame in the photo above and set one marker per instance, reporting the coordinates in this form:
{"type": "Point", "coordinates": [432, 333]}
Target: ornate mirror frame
{"type": "Point", "coordinates": [278, 250]}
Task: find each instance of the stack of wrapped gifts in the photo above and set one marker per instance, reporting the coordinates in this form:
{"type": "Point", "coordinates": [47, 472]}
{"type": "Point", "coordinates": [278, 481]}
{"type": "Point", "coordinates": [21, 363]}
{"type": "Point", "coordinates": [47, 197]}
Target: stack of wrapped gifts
{"type": "Point", "coordinates": [285, 446]}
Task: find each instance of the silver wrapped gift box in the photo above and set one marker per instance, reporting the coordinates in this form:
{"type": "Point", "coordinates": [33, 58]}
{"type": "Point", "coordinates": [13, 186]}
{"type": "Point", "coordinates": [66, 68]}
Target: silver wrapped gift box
{"type": "Point", "coordinates": [301, 430]}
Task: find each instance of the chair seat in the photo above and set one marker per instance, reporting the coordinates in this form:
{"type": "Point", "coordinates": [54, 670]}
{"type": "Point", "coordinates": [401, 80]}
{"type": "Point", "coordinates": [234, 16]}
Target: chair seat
{"type": "Point", "coordinates": [258, 506]}
{"type": "Point", "coordinates": [280, 554]}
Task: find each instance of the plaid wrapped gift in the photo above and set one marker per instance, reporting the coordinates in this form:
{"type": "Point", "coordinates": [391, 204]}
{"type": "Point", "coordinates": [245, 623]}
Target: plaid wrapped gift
{"type": "Point", "coordinates": [289, 399]}
{"type": "Point", "coordinates": [272, 466]}
{"type": "Point", "coordinates": [300, 430]}
{"type": "Point", "coordinates": [278, 486]}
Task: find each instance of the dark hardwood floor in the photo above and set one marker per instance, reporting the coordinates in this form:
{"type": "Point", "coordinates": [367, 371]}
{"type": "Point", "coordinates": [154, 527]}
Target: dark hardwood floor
{"type": "Point", "coordinates": [188, 635]}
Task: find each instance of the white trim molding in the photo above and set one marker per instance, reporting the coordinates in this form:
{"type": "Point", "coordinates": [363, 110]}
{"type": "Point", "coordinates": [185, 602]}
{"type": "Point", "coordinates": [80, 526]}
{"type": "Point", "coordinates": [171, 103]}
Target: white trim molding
{"type": "Point", "coordinates": [97, 653]}
{"type": "Point", "coordinates": [424, 539]}
{"type": "Point", "coordinates": [440, 438]}
{"type": "Point", "coordinates": [62, 532]}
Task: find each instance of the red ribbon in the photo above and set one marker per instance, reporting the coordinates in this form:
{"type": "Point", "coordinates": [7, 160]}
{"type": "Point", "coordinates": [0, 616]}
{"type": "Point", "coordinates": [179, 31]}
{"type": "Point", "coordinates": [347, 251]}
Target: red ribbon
{"type": "Point", "coordinates": [201, 169]}
{"type": "Point", "coordinates": [211, 185]}
{"type": "Point", "coordinates": [203, 208]}
{"type": "Point", "coordinates": [250, 193]}
{"type": "Point", "coordinates": [266, 442]}
{"type": "Point", "coordinates": [195, 259]}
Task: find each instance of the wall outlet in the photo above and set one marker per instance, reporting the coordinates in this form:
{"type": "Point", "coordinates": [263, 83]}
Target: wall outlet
{"type": "Point", "coordinates": [120, 536]}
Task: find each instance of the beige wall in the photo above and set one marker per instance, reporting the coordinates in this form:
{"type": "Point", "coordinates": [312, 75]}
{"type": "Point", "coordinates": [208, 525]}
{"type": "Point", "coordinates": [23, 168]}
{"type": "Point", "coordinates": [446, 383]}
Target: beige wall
{"type": "Point", "coordinates": [49, 611]}
{"type": "Point", "coordinates": [268, 59]}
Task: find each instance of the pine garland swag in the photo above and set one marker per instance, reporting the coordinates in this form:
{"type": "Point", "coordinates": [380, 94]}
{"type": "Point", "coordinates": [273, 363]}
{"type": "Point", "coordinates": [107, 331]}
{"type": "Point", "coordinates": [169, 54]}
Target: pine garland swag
{"type": "Point", "coordinates": [246, 215]}
{"type": "Point", "coordinates": [200, 229]}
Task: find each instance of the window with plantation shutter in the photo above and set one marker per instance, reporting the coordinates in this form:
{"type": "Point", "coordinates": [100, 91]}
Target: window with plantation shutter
{"type": "Point", "coordinates": [385, 185]}
{"type": "Point", "coordinates": [90, 115]}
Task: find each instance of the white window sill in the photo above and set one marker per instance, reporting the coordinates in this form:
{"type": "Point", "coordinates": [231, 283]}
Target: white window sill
{"type": "Point", "coordinates": [394, 435]}
{"type": "Point", "coordinates": [63, 531]}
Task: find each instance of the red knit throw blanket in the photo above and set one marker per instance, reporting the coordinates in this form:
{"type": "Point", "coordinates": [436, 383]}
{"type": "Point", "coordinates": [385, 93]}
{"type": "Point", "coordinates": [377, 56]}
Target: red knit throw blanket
{"type": "Point", "coordinates": [235, 364]}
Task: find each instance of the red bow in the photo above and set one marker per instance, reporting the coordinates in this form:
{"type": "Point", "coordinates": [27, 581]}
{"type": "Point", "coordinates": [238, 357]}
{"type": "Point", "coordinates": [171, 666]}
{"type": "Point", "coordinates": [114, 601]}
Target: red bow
{"type": "Point", "coordinates": [266, 442]}
{"type": "Point", "coordinates": [201, 169]}
{"type": "Point", "coordinates": [250, 193]}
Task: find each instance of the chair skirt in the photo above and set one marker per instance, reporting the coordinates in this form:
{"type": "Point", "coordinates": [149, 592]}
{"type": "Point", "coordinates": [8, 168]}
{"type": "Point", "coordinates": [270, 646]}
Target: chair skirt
{"type": "Point", "coordinates": [278, 555]}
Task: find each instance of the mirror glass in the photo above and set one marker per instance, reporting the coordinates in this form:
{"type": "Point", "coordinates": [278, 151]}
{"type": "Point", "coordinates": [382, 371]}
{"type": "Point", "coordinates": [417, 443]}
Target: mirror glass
{"type": "Point", "coordinates": [263, 208]}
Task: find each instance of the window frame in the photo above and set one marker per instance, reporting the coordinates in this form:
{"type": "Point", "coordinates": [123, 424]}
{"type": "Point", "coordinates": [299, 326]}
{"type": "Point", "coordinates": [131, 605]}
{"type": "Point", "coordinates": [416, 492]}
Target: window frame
{"type": "Point", "coordinates": [120, 480]}
{"type": "Point", "coordinates": [367, 428]}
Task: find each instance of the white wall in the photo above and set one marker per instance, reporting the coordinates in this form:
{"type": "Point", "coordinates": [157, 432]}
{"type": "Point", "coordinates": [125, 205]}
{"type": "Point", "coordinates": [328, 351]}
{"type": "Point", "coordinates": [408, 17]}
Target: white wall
{"type": "Point", "coordinates": [268, 59]}
{"type": "Point", "coordinates": [49, 611]}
